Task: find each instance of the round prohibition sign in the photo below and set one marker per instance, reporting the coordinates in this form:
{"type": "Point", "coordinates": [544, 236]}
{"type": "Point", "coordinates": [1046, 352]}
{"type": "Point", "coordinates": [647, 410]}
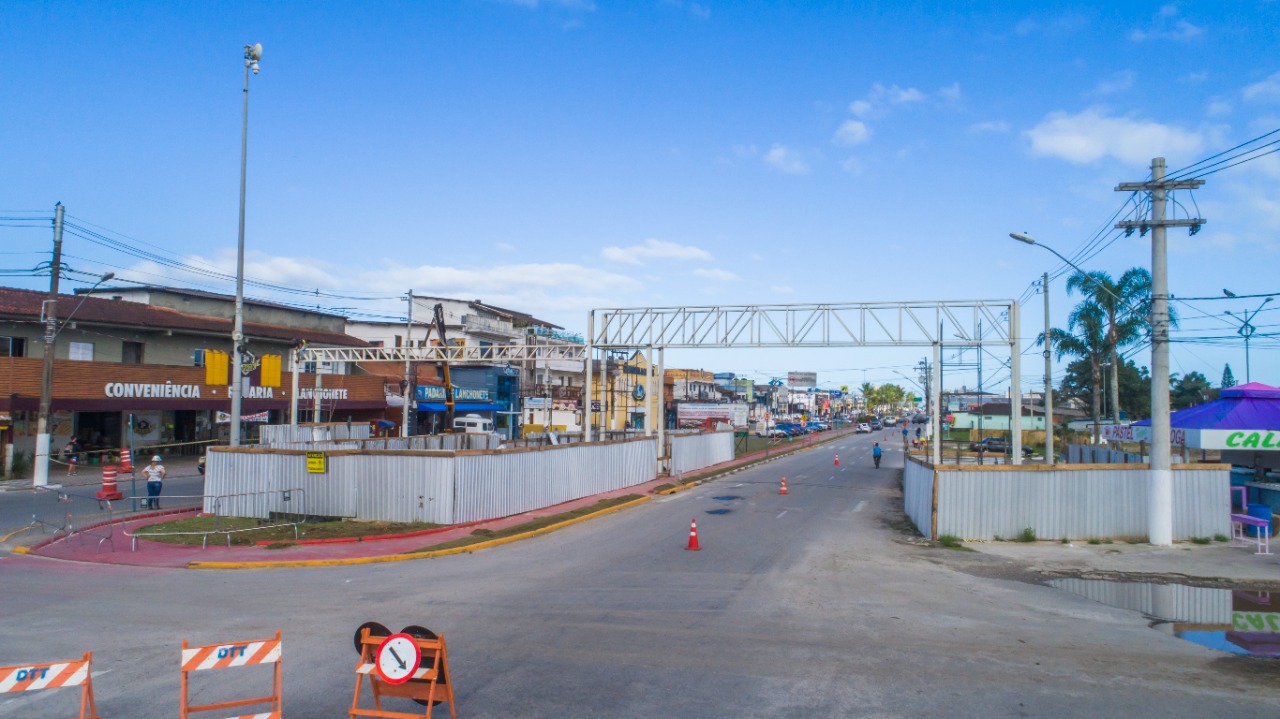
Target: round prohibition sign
{"type": "Point", "coordinates": [398, 658]}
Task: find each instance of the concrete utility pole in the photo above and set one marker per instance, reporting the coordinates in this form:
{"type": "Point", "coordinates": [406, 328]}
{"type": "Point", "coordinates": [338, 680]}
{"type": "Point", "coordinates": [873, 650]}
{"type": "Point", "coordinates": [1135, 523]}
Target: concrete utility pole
{"type": "Point", "coordinates": [252, 54]}
{"type": "Point", "coordinates": [1049, 456]}
{"type": "Point", "coordinates": [408, 374]}
{"type": "Point", "coordinates": [40, 472]}
{"type": "Point", "coordinates": [1160, 508]}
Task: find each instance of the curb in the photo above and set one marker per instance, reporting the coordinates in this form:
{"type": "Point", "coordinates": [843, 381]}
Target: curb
{"type": "Point", "coordinates": [370, 538]}
{"type": "Point", "coordinates": [403, 557]}
{"type": "Point", "coordinates": [745, 461]}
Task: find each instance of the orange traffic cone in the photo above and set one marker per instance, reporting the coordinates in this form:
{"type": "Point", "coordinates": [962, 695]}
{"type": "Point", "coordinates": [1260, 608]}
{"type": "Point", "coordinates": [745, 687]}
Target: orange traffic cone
{"type": "Point", "coordinates": [837, 460]}
{"type": "Point", "coordinates": [126, 461]}
{"type": "Point", "coordinates": [783, 488]}
{"type": "Point", "coordinates": [693, 536]}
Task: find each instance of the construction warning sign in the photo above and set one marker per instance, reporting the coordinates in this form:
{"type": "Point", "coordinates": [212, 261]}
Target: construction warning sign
{"type": "Point", "coordinates": [316, 463]}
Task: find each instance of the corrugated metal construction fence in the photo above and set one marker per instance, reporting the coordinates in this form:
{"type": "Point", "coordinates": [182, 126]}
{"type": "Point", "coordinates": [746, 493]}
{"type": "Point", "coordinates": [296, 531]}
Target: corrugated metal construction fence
{"type": "Point", "coordinates": [272, 434]}
{"type": "Point", "coordinates": [435, 486]}
{"type": "Point", "coordinates": [1098, 454]}
{"type": "Point", "coordinates": [691, 451]}
{"type": "Point", "coordinates": [979, 503]}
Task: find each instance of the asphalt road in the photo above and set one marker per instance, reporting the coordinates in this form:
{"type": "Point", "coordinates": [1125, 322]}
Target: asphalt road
{"type": "Point", "coordinates": [805, 605]}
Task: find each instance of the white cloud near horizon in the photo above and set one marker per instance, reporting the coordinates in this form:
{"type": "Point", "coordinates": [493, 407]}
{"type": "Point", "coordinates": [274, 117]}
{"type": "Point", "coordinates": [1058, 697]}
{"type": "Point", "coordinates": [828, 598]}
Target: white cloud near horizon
{"type": "Point", "coordinates": [653, 249]}
{"type": "Point", "coordinates": [1092, 135]}
{"type": "Point", "coordinates": [1119, 82]}
{"type": "Point", "coordinates": [1167, 25]}
{"type": "Point", "coordinates": [786, 160]}
{"type": "Point", "coordinates": [716, 275]}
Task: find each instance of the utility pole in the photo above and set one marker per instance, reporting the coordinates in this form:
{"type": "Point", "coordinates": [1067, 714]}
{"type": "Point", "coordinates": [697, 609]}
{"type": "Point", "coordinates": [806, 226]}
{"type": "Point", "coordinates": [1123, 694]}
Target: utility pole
{"type": "Point", "coordinates": [409, 389]}
{"type": "Point", "coordinates": [1160, 508]}
{"type": "Point", "coordinates": [1049, 456]}
{"type": "Point", "coordinates": [40, 472]}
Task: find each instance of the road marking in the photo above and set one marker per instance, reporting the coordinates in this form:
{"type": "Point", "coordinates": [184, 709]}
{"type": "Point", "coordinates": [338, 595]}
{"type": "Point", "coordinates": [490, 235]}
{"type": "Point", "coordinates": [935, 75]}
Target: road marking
{"type": "Point", "coordinates": [780, 514]}
{"type": "Point", "coordinates": [861, 504]}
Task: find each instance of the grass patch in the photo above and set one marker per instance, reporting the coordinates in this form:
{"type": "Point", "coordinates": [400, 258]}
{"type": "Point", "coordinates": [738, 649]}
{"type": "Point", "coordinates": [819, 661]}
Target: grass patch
{"type": "Point", "coordinates": [1201, 540]}
{"type": "Point", "coordinates": [484, 535]}
{"type": "Point", "coordinates": [1026, 535]}
{"type": "Point", "coordinates": [247, 531]}
{"type": "Point", "coordinates": [1220, 537]}
{"type": "Point", "coordinates": [1095, 540]}
{"type": "Point", "coordinates": [997, 538]}
{"type": "Point", "coordinates": [1108, 540]}
{"type": "Point", "coordinates": [950, 541]}
{"type": "Point", "coordinates": [1064, 540]}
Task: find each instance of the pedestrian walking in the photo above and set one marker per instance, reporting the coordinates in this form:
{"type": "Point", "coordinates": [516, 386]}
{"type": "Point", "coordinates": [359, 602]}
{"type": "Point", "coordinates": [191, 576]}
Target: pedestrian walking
{"type": "Point", "coordinates": [154, 473]}
{"type": "Point", "coordinates": [71, 453]}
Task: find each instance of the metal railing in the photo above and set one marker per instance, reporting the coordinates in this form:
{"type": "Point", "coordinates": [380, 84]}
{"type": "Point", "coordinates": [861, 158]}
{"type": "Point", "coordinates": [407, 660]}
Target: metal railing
{"type": "Point", "coordinates": [88, 516]}
{"type": "Point", "coordinates": [271, 509]}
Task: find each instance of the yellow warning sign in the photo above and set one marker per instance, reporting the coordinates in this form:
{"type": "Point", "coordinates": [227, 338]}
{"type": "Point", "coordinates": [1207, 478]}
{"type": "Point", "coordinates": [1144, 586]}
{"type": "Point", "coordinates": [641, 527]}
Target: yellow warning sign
{"type": "Point", "coordinates": [316, 463]}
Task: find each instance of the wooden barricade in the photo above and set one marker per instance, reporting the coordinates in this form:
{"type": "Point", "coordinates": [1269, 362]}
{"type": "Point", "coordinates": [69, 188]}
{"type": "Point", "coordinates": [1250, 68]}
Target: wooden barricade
{"type": "Point", "coordinates": [33, 677]}
{"type": "Point", "coordinates": [428, 685]}
{"type": "Point", "coordinates": [238, 654]}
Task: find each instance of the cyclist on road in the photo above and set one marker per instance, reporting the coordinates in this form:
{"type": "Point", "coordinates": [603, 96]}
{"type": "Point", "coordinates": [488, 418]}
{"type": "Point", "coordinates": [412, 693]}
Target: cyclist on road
{"type": "Point", "coordinates": [875, 454]}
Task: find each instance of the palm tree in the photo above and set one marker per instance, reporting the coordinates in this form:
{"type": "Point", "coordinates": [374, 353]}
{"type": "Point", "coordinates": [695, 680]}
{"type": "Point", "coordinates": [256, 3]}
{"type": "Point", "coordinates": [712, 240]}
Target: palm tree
{"type": "Point", "coordinates": [1126, 304]}
{"type": "Point", "coordinates": [1087, 339]}
{"type": "Point", "coordinates": [868, 391]}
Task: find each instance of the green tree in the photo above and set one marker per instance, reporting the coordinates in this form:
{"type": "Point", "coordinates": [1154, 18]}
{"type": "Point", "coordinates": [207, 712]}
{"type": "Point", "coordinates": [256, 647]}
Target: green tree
{"type": "Point", "coordinates": [1188, 390]}
{"type": "Point", "coordinates": [1085, 338]}
{"type": "Point", "coordinates": [868, 391]}
{"type": "Point", "coordinates": [1126, 306]}
{"type": "Point", "coordinates": [1135, 391]}
{"type": "Point", "coordinates": [1228, 379]}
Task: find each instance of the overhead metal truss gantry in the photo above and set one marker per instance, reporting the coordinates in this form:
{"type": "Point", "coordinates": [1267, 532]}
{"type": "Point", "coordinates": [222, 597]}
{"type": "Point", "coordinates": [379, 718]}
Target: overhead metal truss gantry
{"type": "Point", "coordinates": [923, 323]}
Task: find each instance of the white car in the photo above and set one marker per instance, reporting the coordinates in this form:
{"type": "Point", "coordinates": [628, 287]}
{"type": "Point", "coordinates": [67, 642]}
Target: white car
{"type": "Point", "coordinates": [864, 428]}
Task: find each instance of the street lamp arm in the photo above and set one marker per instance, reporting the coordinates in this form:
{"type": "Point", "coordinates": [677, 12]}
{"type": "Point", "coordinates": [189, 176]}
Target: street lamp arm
{"type": "Point", "coordinates": [61, 326]}
{"type": "Point", "coordinates": [1022, 237]}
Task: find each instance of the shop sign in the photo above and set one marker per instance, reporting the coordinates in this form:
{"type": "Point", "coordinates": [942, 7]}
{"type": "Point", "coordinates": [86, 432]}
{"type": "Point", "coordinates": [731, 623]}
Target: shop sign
{"type": "Point", "coordinates": [556, 404]}
{"type": "Point", "coordinates": [225, 417]}
{"type": "Point", "coordinates": [166, 390]}
{"type": "Point", "coordinates": [435, 393]}
{"type": "Point", "coordinates": [1257, 439]}
{"type": "Point", "coordinates": [325, 393]}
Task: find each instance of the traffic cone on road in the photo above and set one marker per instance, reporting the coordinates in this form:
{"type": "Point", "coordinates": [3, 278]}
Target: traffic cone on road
{"type": "Point", "coordinates": [693, 535]}
{"type": "Point", "coordinates": [837, 460]}
{"type": "Point", "coordinates": [110, 490]}
{"type": "Point", "coordinates": [783, 488]}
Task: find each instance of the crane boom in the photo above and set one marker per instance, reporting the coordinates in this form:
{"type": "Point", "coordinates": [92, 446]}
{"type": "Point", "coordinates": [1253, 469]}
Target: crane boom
{"type": "Point", "coordinates": [448, 381]}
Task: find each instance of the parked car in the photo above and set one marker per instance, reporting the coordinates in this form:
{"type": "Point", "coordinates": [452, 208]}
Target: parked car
{"type": "Point", "coordinates": [791, 428]}
{"type": "Point", "coordinates": [876, 425]}
{"type": "Point", "coordinates": [775, 433]}
{"type": "Point", "coordinates": [816, 426]}
{"type": "Point", "coordinates": [996, 444]}
{"type": "Point", "coordinates": [864, 428]}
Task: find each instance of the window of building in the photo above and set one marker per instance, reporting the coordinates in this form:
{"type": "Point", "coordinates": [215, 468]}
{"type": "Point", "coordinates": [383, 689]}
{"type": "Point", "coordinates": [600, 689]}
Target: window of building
{"type": "Point", "coordinates": [399, 340]}
{"type": "Point", "coordinates": [131, 353]}
{"type": "Point", "coordinates": [82, 351]}
{"type": "Point", "coordinates": [13, 347]}
{"type": "Point", "coordinates": [197, 358]}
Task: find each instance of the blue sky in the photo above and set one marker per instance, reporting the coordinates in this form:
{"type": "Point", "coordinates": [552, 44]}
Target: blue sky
{"type": "Point", "coordinates": [557, 156]}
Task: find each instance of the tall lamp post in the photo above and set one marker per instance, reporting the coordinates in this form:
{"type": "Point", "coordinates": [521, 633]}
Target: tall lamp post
{"type": "Point", "coordinates": [1246, 330]}
{"type": "Point", "coordinates": [252, 54]}
{"type": "Point", "coordinates": [40, 470]}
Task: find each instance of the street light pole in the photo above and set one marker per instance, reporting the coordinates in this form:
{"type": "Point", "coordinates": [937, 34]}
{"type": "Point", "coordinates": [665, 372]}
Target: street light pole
{"type": "Point", "coordinates": [1049, 456]}
{"type": "Point", "coordinates": [252, 54]}
{"type": "Point", "coordinates": [1246, 330]}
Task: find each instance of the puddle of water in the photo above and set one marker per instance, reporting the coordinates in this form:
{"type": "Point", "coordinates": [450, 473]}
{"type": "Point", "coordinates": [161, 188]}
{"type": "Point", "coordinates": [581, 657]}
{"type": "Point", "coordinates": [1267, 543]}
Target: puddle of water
{"type": "Point", "coordinates": [1229, 620]}
{"type": "Point", "coordinates": [727, 497]}
{"type": "Point", "coordinates": [719, 511]}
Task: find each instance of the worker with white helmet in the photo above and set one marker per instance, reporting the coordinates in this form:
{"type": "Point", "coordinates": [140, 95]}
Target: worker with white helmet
{"type": "Point", "coordinates": [155, 478]}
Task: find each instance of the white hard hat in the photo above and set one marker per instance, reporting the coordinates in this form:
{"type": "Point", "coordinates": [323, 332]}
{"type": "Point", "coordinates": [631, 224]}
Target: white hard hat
{"type": "Point", "coordinates": [155, 458]}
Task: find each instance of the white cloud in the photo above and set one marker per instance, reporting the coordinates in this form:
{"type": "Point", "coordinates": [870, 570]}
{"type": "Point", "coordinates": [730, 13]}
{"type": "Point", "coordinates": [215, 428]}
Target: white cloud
{"type": "Point", "coordinates": [785, 160]}
{"type": "Point", "coordinates": [997, 127]}
{"type": "Point", "coordinates": [716, 275]}
{"type": "Point", "coordinates": [1090, 136]}
{"type": "Point", "coordinates": [1167, 26]}
{"type": "Point", "coordinates": [505, 247]}
{"type": "Point", "coordinates": [860, 108]}
{"type": "Point", "coordinates": [901, 95]}
{"type": "Point", "coordinates": [853, 132]}
{"type": "Point", "coordinates": [950, 92]}
{"type": "Point", "coordinates": [1268, 89]}
{"type": "Point", "coordinates": [654, 250]}
{"type": "Point", "coordinates": [1118, 82]}
{"type": "Point", "coordinates": [1197, 76]}
{"type": "Point", "coordinates": [1218, 108]}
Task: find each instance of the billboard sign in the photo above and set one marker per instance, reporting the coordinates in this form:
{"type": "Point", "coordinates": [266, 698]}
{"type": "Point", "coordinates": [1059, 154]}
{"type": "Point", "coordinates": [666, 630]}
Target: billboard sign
{"type": "Point", "coordinates": [802, 379]}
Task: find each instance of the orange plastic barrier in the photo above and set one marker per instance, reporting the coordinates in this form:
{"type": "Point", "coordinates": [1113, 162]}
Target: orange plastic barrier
{"type": "Point", "coordinates": [238, 654]}
{"type": "Point", "coordinates": [428, 684]}
{"type": "Point", "coordinates": [33, 677]}
{"type": "Point", "coordinates": [109, 490]}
